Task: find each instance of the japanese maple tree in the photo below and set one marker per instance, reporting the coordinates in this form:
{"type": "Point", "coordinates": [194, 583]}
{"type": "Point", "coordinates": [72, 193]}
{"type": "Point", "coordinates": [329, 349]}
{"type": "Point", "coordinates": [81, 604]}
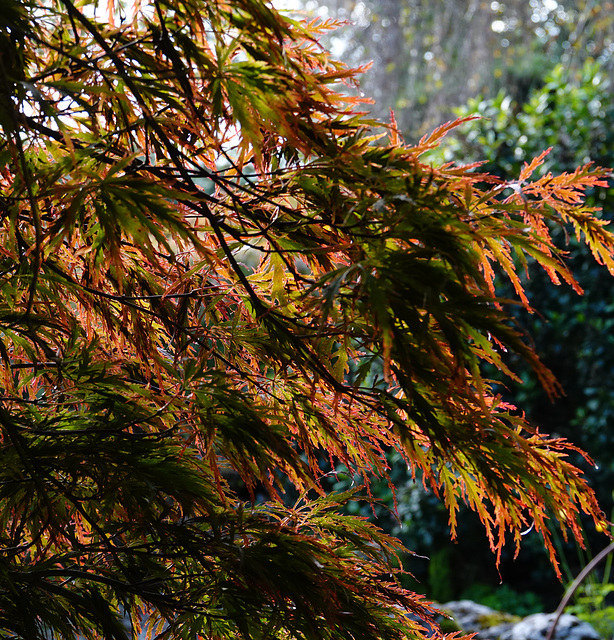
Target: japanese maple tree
{"type": "Point", "coordinates": [205, 254]}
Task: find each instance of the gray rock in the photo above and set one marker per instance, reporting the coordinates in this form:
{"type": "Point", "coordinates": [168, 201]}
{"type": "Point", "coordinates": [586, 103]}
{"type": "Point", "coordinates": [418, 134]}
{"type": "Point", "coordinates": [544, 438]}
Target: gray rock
{"type": "Point", "coordinates": [489, 623]}
{"type": "Point", "coordinates": [469, 615]}
{"type": "Point", "coordinates": [536, 627]}
{"type": "Point", "coordinates": [498, 632]}
{"type": "Point", "coordinates": [496, 625]}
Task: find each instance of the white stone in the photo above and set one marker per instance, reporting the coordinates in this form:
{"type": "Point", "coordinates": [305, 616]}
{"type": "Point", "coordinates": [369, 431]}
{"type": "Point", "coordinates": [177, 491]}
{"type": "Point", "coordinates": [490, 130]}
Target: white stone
{"type": "Point", "coordinates": [536, 627]}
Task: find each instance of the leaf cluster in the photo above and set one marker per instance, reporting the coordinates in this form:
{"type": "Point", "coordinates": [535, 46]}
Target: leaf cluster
{"type": "Point", "coordinates": [203, 252]}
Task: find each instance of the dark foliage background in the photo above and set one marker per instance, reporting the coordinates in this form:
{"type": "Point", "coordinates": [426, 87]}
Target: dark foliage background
{"type": "Point", "coordinates": [539, 73]}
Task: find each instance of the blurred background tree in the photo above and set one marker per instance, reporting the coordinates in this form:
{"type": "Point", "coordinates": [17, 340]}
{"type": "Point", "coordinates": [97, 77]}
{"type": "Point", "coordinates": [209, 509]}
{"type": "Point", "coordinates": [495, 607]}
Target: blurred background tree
{"type": "Point", "coordinates": [432, 56]}
{"type": "Point", "coordinates": [539, 74]}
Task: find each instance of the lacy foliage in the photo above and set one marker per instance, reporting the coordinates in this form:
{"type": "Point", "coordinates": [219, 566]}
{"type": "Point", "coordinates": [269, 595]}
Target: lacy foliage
{"type": "Point", "coordinates": [205, 255]}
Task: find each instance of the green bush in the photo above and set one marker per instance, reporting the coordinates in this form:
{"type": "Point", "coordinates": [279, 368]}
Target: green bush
{"type": "Point", "coordinates": [504, 598]}
{"type": "Point", "coordinates": [591, 606]}
{"type": "Point", "coordinates": [572, 114]}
